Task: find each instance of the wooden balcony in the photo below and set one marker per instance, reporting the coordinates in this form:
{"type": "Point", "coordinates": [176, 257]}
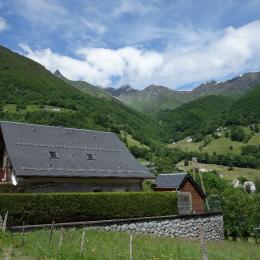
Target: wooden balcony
{"type": "Point", "coordinates": [5, 175]}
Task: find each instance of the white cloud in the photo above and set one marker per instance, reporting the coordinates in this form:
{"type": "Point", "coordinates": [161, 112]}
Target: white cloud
{"type": "Point", "coordinates": [3, 24]}
{"type": "Point", "coordinates": [45, 12]}
{"type": "Point", "coordinates": [212, 56]}
{"type": "Point", "coordinates": [132, 7]}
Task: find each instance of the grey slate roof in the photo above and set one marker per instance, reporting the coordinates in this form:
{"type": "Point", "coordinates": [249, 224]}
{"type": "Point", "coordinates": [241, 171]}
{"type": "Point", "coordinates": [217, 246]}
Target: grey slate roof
{"type": "Point", "coordinates": [29, 145]}
{"type": "Point", "coordinates": [172, 180]}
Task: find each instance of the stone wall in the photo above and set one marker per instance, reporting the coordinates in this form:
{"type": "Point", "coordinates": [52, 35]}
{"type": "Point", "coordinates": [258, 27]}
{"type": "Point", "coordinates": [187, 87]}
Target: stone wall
{"type": "Point", "coordinates": [172, 226]}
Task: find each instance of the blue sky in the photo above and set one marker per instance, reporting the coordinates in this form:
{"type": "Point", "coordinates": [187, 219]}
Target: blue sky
{"type": "Point", "coordinates": [178, 44]}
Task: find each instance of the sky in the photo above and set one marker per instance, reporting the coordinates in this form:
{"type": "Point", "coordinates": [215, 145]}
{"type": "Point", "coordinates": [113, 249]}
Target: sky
{"type": "Point", "coordinates": [174, 43]}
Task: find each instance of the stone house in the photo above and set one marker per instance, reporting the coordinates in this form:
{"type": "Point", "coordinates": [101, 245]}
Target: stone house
{"type": "Point", "coordinates": [35, 158]}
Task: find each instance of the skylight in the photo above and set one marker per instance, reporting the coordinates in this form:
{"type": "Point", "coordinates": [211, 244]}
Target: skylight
{"type": "Point", "coordinates": [53, 155]}
{"type": "Point", "coordinates": [90, 156]}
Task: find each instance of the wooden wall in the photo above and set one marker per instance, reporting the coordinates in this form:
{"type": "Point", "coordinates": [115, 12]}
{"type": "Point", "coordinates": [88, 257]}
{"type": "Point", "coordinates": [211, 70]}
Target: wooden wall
{"type": "Point", "coordinates": [197, 199]}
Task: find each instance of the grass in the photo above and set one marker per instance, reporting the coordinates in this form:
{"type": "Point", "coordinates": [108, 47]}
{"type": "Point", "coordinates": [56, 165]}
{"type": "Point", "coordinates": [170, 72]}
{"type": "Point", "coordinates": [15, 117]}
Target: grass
{"type": "Point", "coordinates": [111, 245]}
{"type": "Point", "coordinates": [250, 174]}
{"type": "Point", "coordinates": [10, 108]}
{"type": "Point", "coordinates": [132, 142]}
{"type": "Point", "coordinates": [219, 145]}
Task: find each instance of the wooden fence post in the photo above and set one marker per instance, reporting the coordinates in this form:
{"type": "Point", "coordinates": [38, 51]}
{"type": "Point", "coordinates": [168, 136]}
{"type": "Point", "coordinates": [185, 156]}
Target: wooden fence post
{"type": "Point", "coordinates": [5, 221]}
{"type": "Point", "coordinates": [82, 242]}
{"type": "Point", "coordinates": [131, 247]}
{"type": "Point", "coordinates": [204, 253]}
{"type": "Point", "coordinates": [23, 240]}
{"type": "Point", "coordinates": [61, 237]}
{"type": "Point", "coordinates": [50, 236]}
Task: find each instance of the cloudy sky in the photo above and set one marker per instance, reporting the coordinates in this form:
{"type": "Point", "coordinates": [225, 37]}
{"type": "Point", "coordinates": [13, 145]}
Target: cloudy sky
{"type": "Point", "coordinates": [175, 43]}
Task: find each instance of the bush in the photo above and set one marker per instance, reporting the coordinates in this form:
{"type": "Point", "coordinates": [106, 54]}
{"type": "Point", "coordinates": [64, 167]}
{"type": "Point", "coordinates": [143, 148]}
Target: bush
{"type": "Point", "coordinates": [69, 207]}
{"type": "Point", "coordinates": [237, 134]}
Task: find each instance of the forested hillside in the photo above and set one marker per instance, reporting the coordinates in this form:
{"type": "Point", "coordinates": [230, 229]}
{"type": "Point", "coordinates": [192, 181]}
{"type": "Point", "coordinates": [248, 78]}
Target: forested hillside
{"type": "Point", "coordinates": [246, 110]}
{"type": "Point", "coordinates": [197, 118]}
{"type": "Point", "coordinates": [30, 93]}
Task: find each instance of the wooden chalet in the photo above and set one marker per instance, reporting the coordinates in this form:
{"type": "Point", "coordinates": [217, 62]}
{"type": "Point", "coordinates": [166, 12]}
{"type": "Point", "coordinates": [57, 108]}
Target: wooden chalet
{"type": "Point", "coordinates": [182, 182]}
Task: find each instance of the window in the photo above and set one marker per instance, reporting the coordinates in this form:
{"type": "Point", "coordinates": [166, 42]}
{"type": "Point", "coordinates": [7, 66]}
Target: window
{"type": "Point", "coordinates": [90, 156]}
{"type": "Point", "coordinates": [53, 155]}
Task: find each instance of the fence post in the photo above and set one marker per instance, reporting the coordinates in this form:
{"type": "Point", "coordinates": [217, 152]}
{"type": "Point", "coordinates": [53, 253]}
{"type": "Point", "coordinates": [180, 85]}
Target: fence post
{"type": "Point", "coordinates": [23, 240]}
{"type": "Point", "coordinates": [61, 237]}
{"type": "Point", "coordinates": [204, 253]}
{"type": "Point", "coordinates": [50, 236]}
{"type": "Point", "coordinates": [5, 221]}
{"type": "Point", "coordinates": [131, 247]}
{"type": "Point", "coordinates": [82, 242]}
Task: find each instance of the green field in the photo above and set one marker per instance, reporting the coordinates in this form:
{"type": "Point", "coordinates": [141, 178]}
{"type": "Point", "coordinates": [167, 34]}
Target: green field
{"type": "Point", "coordinates": [250, 174]}
{"type": "Point", "coordinates": [111, 245]}
{"type": "Point", "coordinates": [221, 145]}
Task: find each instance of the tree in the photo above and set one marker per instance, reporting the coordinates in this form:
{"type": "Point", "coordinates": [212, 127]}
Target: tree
{"type": "Point", "coordinates": [237, 134]}
{"type": "Point", "coordinates": [239, 213]}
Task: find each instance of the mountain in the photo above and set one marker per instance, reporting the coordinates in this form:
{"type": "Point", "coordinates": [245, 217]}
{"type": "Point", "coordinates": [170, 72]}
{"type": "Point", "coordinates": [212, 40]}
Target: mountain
{"type": "Point", "coordinates": [124, 90]}
{"type": "Point", "coordinates": [235, 87]}
{"type": "Point", "coordinates": [245, 110]}
{"type": "Point", "coordinates": [84, 87]}
{"type": "Point", "coordinates": [30, 93]}
{"type": "Point", "coordinates": [196, 118]}
{"type": "Point", "coordinates": [155, 98]}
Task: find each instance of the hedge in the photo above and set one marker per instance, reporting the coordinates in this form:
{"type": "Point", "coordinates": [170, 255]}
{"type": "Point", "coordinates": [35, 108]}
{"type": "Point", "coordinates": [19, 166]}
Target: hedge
{"type": "Point", "coordinates": [68, 207]}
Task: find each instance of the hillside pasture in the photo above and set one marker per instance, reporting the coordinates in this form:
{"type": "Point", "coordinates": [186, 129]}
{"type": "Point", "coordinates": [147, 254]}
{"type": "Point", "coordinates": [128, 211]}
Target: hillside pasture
{"type": "Point", "coordinates": [111, 245]}
{"type": "Point", "coordinates": [220, 145]}
{"type": "Point", "coordinates": [229, 174]}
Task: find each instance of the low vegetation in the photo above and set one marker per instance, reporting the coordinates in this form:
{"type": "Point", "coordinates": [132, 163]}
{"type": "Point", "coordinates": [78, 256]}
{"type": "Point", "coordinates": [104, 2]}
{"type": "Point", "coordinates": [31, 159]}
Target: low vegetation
{"type": "Point", "coordinates": [229, 173]}
{"type": "Point", "coordinates": [109, 245]}
{"type": "Point", "coordinates": [71, 207]}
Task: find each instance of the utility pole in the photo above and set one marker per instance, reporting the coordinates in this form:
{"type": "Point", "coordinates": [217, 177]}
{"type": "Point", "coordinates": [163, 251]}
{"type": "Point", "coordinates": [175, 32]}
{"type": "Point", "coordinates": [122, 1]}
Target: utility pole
{"type": "Point", "coordinates": [195, 164]}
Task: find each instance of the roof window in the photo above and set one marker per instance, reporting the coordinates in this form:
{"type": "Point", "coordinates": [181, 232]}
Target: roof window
{"type": "Point", "coordinates": [53, 155]}
{"type": "Point", "coordinates": [90, 156]}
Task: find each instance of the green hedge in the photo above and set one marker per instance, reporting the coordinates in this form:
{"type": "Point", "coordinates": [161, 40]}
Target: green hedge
{"type": "Point", "coordinates": [66, 207]}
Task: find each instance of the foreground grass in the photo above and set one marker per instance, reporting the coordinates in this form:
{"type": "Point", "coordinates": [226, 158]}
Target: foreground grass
{"type": "Point", "coordinates": [110, 245]}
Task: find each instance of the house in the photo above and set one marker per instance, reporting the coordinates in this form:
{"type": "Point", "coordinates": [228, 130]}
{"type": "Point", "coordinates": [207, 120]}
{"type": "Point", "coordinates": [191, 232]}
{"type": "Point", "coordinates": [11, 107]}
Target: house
{"type": "Point", "coordinates": [182, 182]}
{"type": "Point", "coordinates": [236, 183]}
{"type": "Point", "coordinates": [37, 158]}
{"type": "Point", "coordinates": [189, 140]}
{"type": "Point", "coordinates": [249, 186]}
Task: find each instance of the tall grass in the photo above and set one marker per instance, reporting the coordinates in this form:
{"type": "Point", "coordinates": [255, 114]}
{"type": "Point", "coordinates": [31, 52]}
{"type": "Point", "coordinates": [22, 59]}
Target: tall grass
{"type": "Point", "coordinates": [111, 245]}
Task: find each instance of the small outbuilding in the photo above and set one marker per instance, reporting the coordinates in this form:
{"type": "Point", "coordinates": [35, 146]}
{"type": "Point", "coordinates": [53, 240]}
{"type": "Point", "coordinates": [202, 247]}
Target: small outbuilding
{"type": "Point", "coordinates": [182, 182]}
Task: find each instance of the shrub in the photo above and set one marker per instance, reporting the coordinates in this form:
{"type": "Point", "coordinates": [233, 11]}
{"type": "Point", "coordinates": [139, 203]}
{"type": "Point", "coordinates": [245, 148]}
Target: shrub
{"type": "Point", "coordinates": [69, 207]}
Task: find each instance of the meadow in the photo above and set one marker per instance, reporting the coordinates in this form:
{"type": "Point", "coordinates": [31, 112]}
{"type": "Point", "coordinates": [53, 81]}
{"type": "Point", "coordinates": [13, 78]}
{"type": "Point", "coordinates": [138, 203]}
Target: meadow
{"type": "Point", "coordinates": [220, 145]}
{"type": "Point", "coordinates": [111, 245]}
{"type": "Point", "coordinates": [228, 174]}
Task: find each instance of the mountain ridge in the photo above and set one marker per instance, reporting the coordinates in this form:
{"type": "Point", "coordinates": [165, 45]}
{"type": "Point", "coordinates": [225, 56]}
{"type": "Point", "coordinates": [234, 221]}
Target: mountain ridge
{"type": "Point", "coordinates": [155, 98]}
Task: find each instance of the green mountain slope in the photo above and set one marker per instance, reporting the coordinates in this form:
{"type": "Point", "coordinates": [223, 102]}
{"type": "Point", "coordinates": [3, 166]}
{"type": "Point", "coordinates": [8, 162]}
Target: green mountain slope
{"type": "Point", "coordinates": [85, 87]}
{"type": "Point", "coordinates": [246, 110]}
{"type": "Point", "coordinates": [196, 118]}
{"type": "Point", "coordinates": [30, 93]}
{"type": "Point", "coordinates": [155, 98]}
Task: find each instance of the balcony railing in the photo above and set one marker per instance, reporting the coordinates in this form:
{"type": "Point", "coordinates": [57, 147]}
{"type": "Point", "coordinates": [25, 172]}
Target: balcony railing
{"type": "Point", "coordinates": [5, 175]}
